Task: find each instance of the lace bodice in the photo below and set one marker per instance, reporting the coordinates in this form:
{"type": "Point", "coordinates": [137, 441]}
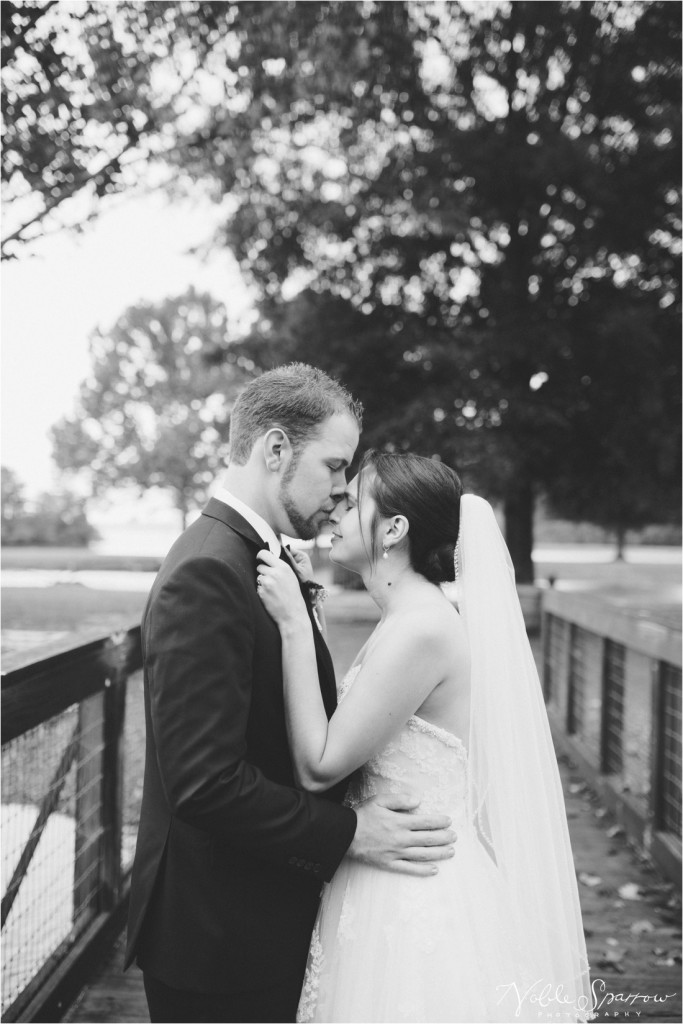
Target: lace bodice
{"type": "Point", "coordinates": [423, 759]}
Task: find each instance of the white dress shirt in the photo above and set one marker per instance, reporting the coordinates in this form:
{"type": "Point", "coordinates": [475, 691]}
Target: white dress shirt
{"type": "Point", "coordinates": [264, 530]}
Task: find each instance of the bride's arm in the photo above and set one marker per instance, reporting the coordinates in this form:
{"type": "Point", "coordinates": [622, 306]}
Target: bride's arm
{"type": "Point", "coordinates": [393, 683]}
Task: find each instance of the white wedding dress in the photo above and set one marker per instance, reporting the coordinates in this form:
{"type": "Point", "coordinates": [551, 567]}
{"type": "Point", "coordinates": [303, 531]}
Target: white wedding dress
{"type": "Point", "coordinates": [398, 947]}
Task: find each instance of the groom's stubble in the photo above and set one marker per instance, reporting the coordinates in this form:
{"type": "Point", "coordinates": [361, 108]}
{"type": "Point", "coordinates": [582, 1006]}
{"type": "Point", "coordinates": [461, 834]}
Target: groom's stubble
{"type": "Point", "coordinates": [306, 527]}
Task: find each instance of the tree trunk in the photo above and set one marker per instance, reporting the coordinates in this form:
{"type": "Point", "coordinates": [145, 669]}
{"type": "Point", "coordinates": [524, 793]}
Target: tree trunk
{"type": "Point", "coordinates": [181, 505]}
{"type": "Point", "coordinates": [621, 544]}
{"type": "Point", "coordinates": [519, 528]}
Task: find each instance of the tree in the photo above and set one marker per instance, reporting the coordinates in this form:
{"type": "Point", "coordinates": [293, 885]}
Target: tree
{"type": "Point", "coordinates": [52, 519]}
{"type": "Point", "coordinates": [13, 502]}
{"type": "Point", "coordinates": [623, 471]}
{"type": "Point", "coordinates": [155, 410]}
{"type": "Point", "coordinates": [484, 223]}
{"type": "Point", "coordinates": [466, 187]}
{"type": "Point", "coordinates": [87, 111]}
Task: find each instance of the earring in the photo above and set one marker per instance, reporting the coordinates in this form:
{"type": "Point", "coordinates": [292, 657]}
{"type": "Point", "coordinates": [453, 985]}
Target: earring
{"type": "Point", "coordinates": [386, 551]}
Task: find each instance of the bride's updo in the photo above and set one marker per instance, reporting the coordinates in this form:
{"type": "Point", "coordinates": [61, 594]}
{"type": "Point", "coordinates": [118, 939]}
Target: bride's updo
{"type": "Point", "coordinates": [428, 494]}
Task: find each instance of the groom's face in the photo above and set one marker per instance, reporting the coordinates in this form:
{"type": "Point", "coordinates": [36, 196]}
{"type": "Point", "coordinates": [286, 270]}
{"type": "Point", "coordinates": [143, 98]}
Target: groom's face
{"type": "Point", "coordinates": [315, 481]}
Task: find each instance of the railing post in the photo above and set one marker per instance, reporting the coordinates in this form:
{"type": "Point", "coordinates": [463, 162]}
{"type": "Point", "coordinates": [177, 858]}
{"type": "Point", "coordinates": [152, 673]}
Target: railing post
{"type": "Point", "coordinates": [88, 808]}
{"type": "Point", "coordinates": [655, 801]}
{"type": "Point", "coordinates": [112, 787]}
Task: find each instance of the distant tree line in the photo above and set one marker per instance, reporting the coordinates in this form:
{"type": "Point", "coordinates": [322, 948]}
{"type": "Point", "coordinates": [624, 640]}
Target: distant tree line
{"type": "Point", "coordinates": [470, 213]}
{"type": "Point", "coordinates": [51, 519]}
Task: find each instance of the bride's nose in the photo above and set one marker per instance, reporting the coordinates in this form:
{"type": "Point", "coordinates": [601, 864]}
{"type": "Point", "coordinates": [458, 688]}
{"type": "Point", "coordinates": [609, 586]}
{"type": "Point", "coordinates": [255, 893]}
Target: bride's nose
{"type": "Point", "coordinates": [335, 514]}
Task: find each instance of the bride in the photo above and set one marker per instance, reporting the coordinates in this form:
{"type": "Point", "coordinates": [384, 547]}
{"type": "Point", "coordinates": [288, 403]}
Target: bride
{"type": "Point", "coordinates": [443, 702]}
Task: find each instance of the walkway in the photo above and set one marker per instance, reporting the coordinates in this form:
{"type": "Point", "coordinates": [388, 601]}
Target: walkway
{"type": "Point", "coordinates": [631, 917]}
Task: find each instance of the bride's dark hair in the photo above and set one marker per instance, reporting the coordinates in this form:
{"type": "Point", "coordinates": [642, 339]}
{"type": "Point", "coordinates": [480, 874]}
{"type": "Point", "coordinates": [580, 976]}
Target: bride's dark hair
{"type": "Point", "coordinates": [427, 493]}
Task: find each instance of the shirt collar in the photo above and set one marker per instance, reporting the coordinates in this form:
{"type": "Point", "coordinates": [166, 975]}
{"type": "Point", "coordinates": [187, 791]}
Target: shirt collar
{"type": "Point", "coordinates": [264, 530]}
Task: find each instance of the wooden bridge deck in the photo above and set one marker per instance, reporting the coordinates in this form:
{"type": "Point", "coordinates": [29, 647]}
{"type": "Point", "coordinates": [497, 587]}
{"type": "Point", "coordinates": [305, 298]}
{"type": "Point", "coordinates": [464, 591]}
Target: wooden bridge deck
{"type": "Point", "coordinates": [112, 995]}
{"type": "Point", "coordinates": [634, 944]}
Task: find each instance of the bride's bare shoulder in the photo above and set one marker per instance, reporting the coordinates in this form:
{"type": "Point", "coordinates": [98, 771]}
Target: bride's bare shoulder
{"type": "Point", "coordinates": [435, 621]}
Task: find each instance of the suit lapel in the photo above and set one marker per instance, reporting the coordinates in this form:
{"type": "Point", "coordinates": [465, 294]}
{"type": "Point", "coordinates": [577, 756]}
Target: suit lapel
{"type": "Point", "coordinates": [233, 520]}
{"type": "Point", "coordinates": [328, 686]}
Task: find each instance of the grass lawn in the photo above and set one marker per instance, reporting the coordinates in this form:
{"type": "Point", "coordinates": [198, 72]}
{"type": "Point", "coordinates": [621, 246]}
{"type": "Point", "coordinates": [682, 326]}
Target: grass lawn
{"type": "Point", "coordinates": [73, 608]}
{"type": "Point", "coordinates": [70, 607]}
{"type": "Point", "coordinates": [73, 559]}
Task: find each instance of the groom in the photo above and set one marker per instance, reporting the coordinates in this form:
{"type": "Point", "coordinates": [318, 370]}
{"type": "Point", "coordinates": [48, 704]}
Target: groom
{"type": "Point", "coordinates": [231, 856]}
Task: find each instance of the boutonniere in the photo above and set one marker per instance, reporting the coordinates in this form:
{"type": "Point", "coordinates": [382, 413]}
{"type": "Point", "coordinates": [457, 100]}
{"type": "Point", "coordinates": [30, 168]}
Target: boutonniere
{"type": "Point", "coordinates": [316, 592]}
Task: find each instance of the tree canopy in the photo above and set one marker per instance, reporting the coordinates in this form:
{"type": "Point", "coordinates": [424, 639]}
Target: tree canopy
{"type": "Point", "coordinates": [485, 214]}
{"type": "Point", "coordinates": [469, 212]}
{"type": "Point", "coordinates": [155, 410]}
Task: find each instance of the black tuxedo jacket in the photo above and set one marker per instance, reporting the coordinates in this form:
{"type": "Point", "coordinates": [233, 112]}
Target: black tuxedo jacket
{"type": "Point", "coordinates": [230, 855]}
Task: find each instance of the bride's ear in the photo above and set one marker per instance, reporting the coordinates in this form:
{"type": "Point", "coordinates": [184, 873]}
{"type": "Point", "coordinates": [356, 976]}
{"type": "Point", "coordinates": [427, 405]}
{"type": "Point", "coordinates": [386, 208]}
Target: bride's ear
{"type": "Point", "coordinates": [395, 531]}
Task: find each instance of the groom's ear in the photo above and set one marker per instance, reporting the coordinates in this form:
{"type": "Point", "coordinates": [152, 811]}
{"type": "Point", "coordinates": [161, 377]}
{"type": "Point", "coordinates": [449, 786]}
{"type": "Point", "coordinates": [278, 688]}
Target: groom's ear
{"type": "Point", "coordinates": [277, 450]}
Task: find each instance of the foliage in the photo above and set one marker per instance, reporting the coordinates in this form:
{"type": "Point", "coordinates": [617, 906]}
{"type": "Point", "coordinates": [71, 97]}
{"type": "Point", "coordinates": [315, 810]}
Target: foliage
{"type": "Point", "coordinates": [476, 225]}
{"type": "Point", "coordinates": [622, 470]}
{"type": "Point", "coordinates": [155, 410]}
{"type": "Point", "coordinates": [473, 198]}
{"type": "Point", "coordinates": [13, 497]}
{"type": "Point", "coordinates": [86, 107]}
{"type": "Point", "coordinates": [53, 519]}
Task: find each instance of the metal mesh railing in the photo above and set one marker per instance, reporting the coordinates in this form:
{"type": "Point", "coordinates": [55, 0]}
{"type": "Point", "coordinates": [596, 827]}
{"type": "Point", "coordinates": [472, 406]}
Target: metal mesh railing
{"type": "Point", "coordinates": [553, 652]}
{"type": "Point", "coordinates": [576, 705]}
{"type": "Point", "coordinates": [38, 787]}
{"type": "Point", "coordinates": [613, 707]}
{"type": "Point", "coordinates": [66, 837]}
{"type": "Point", "coordinates": [669, 811]}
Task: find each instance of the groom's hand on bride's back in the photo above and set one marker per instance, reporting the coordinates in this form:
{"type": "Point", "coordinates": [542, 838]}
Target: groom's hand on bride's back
{"type": "Point", "coordinates": [393, 834]}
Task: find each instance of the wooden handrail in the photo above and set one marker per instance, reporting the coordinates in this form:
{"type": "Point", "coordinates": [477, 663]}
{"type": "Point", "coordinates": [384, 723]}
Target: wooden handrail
{"type": "Point", "coordinates": [35, 690]}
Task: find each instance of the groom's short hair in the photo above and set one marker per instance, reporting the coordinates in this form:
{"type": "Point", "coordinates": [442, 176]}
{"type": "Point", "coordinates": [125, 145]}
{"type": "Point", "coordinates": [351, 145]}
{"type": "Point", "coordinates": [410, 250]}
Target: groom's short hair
{"type": "Point", "coordinates": [296, 397]}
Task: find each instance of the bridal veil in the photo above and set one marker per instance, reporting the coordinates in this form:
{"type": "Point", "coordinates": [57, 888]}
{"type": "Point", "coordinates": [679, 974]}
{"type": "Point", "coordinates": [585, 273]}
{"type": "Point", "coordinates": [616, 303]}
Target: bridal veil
{"type": "Point", "coordinates": [514, 789]}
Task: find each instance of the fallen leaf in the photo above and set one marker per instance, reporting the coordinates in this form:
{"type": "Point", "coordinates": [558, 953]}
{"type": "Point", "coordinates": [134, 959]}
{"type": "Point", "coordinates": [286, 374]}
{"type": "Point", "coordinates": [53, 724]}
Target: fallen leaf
{"type": "Point", "coordinates": [611, 960]}
{"type": "Point", "coordinates": [577, 787]}
{"type": "Point", "coordinates": [630, 891]}
{"type": "Point", "coordinates": [640, 927]}
{"type": "Point", "coordinates": [590, 880]}
{"type": "Point", "coordinates": [612, 942]}
{"type": "Point", "coordinates": [601, 812]}
{"type": "Point", "coordinates": [615, 830]}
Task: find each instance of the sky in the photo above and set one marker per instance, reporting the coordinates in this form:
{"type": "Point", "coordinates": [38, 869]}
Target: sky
{"type": "Point", "coordinates": [53, 300]}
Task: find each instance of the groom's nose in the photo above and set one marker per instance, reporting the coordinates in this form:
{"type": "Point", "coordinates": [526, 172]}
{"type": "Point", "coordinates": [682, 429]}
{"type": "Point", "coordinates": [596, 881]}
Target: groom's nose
{"type": "Point", "coordinates": [337, 492]}
{"type": "Point", "coordinates": [338, 483]}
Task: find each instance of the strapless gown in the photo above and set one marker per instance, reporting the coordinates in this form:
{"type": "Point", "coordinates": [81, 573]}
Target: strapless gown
{"type": "Point", "coordinates": [397, 947]}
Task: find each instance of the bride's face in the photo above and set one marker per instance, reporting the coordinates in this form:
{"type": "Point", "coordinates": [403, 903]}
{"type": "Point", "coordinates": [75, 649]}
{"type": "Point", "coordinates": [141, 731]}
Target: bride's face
{"type": "Point", "coordinates": [351, 532]}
